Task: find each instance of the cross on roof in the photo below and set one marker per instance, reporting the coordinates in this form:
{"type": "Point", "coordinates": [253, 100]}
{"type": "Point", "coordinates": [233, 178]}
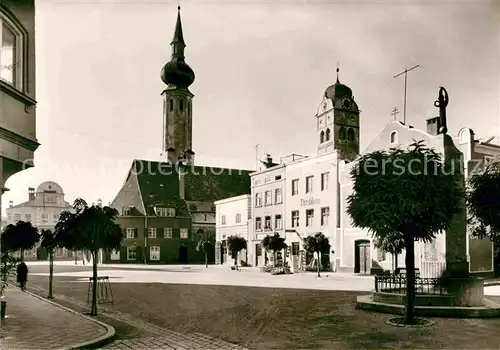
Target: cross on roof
{"type": "Point", "coordinates": [394, 112]}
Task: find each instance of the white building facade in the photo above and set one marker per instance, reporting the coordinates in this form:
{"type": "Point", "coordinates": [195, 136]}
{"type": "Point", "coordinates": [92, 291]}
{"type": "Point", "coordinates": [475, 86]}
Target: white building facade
{"type": "Point", "coordinates": [233, 218]}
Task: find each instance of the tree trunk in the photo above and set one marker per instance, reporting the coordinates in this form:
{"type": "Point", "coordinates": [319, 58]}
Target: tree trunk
{"type": "Point", "coordinates": [317, 264]}
{"type": "Point", "coordinates": [93, 311]}
{"type": "Point", "coordinates": [284, 258]}
{"type": "Point", "coordinates": [274, 258]}
{"type": "Point", "coordinates": [76, 257]}
{"type": "Point", "coordinates": [22, 254]}
{"type": "Point", "coordinates": [206, 260]}
{"type": "Point", "coordinates": [410, 281]}
{"type": "Point", "coordinates": [51, 272]}
{"type": "Point", "coordinates": [236, 261]}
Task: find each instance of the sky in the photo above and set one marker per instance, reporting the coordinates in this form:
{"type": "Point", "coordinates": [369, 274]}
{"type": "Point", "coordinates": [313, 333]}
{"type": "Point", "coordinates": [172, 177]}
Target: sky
{"type": "Point", "coordinates": [261, 70]}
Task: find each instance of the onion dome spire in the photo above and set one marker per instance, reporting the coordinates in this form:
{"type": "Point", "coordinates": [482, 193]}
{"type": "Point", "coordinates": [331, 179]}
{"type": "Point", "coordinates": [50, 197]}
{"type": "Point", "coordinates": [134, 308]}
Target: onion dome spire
{"type": "Point", "coordinates": [177, 72]}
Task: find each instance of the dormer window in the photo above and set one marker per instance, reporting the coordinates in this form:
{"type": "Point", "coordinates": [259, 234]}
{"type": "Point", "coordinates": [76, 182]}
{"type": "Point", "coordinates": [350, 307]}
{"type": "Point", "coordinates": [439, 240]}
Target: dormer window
{"type": "Point", "coordinates": [126, 211]}
{"type": "Point", "coordinates": [394, 137]}
{"type": "Point", "coordinates": [168, 212]}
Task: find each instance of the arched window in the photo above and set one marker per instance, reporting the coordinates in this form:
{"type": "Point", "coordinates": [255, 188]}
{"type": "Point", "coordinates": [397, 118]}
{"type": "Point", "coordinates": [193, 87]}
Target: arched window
{"type": "Point", "coordinates": [12, 37]}
{"type": "Point", "coordinates": [238, 218]}
{"type": "Point", "coordinates": [327, 135]}
{"type": "Point", "coordinates": [350, 135]}
{"type": "Point", "coordinates": [181, 105]}
{"type": "Point", "coordinates": [394, 137]}
{"type": "Point", "coordinates": [171, 105]}
{"type": "Point", "coordinates": [223, 220]}
{"type": "Point", "coordinates": [321, 137]}
{"type": "Point", "coordinates": [342, 133]}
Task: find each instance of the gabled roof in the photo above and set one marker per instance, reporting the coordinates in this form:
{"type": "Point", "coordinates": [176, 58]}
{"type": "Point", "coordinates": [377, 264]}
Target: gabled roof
{"type": "Point", "coordinates": [159, 184]}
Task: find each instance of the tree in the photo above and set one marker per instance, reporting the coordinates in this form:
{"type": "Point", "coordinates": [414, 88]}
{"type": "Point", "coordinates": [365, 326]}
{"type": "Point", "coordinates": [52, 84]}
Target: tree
{"type": "Point", "coordinates": [409, 191]}
{"type": "Point", "coordinates": [49, 243]}
{"type": "Point", "coordinates": [89, 229]}
{"type": "Point", "coordinates": [235, 245]}
{"type": "Point", "coordinates": [391, 243]}
{"type": "Point", "coordinates": [483, 203]}
{"type": "Point", "coordinates": [318, 244]}
{"type": "Point", "coordinates": [274, 243]}
{"type": "Point", "coordinates": [21, 236]}
{"type": "Point", "coordinates": [204, 246]}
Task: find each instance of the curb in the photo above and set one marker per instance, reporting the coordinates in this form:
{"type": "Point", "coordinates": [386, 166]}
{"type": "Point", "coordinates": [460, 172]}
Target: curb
{"type": "Point", "coordinates": [93, 343]}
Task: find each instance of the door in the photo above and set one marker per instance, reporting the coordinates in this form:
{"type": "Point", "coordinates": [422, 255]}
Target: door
{"type": "Point", "coordinates": [258, 253]}
{"type": "Point", "coordinates": [362, 256]}
{"type": "Point", "coordinates": [154, 253]}
{"type": "Point", "coordinates": [183, 255]}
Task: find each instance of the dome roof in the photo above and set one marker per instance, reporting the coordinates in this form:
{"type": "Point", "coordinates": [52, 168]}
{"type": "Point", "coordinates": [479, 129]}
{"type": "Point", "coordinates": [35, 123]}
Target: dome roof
{"type": "Point", "coordinates": [49, 186]}
{"type": "Point", "coordinates": [178, 73]}
{"type": "Point", "coordinates": [338, 91]}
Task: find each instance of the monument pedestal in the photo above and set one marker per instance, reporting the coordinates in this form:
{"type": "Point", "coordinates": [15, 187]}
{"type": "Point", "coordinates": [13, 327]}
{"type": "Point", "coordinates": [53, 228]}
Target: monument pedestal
{"type": "Point", "coordinates": [467, 291]}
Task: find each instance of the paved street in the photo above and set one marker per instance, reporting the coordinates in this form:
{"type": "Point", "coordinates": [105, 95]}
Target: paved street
{"type": "Point", "coordinates": [33, 323]}
{"type": "Point", "coordinates": [173, 341]}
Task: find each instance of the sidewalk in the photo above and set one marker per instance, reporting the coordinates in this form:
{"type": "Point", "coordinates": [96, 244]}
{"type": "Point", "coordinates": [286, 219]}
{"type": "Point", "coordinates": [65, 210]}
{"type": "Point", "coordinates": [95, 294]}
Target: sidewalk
{"type": "Point", "coordinates": [35, 323]}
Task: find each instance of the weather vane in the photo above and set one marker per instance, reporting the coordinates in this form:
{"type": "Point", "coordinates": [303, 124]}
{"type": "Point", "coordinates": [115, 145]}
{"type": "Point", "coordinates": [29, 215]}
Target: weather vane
{"type": "Point", "coordinates": [442, 103]}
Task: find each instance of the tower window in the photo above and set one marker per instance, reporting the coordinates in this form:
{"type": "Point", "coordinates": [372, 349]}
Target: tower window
{"type": "Point", "coordinates": [171, 105]}
{"type": "Point", "coordinates": [188, 108]}
{"type": "Point", "coordinates": [350, 135]}
{"type": "Point", "coordinates": [321, 137]}
{"type": "Point", "coordinates": [393, 137]}
{"type": "Point", "coordinates": [342, 133]}
{"type": "Point", "coordinates": [327, 135]}
{"type": "Point", "coordinates": [181, 105]}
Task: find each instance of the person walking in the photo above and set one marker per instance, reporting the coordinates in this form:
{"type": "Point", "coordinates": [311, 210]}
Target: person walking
{"type": "Point", "coordinates": [22, 275]}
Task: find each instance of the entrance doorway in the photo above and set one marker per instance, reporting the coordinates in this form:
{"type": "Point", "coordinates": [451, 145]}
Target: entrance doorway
{"type": "Point", "coordinates": [258, 253]}
{"type": "Point", "coordinates": [183, 255]}
{"type": "Point", "coordinates": [362, 256]}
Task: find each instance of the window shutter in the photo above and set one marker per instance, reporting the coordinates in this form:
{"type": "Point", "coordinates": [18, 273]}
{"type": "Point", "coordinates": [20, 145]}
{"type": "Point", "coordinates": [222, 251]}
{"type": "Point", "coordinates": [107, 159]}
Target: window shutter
{"type": "Point", "coordinates": [135, 233]}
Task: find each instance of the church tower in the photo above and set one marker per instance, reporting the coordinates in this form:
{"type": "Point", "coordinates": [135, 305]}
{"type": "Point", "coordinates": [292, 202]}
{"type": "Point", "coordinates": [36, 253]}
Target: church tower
{"type": "Point", "coordinates": [177, 101]}
{"type": "Point", "coordinates": [337, 122]}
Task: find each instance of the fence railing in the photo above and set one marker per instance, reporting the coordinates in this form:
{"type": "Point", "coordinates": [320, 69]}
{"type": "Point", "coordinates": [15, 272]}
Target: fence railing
{"type": "Point", "coordinates": [397, 283]}
{"type": "Point", "coordinates": [104, 292]}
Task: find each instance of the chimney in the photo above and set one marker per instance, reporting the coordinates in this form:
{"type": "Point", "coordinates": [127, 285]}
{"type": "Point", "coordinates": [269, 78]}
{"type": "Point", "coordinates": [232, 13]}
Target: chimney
{"type": "Point", "coordinates": [11, 204]}
{"type": "Point", "coordinates": [433, 125]}
{"type": "Point", "coordinates": [31, 194]}
{"type": "Point", "coordinates": [171, 155]}
{"type": "Point", "coordinates": [99, 202]}
{"type": "Point", "coordinates": [269, 161]}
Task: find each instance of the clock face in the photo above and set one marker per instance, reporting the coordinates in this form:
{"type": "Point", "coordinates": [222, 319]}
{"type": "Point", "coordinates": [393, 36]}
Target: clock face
{"type": "Point", "coordinates": [346, 103]}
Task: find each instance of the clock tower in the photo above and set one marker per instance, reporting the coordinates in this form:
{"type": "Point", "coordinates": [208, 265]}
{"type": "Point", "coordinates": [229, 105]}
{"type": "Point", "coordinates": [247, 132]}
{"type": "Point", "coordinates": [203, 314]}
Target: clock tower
{"type": "Point", "coordinates": [337, 122]}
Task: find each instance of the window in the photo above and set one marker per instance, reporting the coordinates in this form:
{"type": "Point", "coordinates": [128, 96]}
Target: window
{"type": "Point", "coordinates": [45, 217]}
{"type": "Point", "coordinates": [268, 198]}
{"type": "Point", "coordinates": [131, 253]}
{"type": "Point", "coordinates": [115, 254]}
{"type": "Point", "coordinates": [350, 135]}
{"type": "Point", "coordinates": [154, 253]}
{"type": "Point", "coordinates": [295, 248]}
{"type": "Point", "coordinates": [27, 217]}
{"type": "Point", "coordinates": [309, 184]}
{"type": "Point", "coordinates": [321, 136]}
{"type": "Point", "coordinates": [126, 211]}
{"type": "Point", "coordinates": [223, 219]}
{"type": "Point", "coordinates": [324, 181]}
{"type": "Point", "coordinates": [342, 133]}
{"type": "Point", "coordinates": [170, 212]}
{"type": "Point", "coordinates": [258, 199]}
{"type": "Point", "coordinates": [277, 177]}
{"type": "Point", "coordinates": [295, 218]}
{"type": "Point", "coordinates": [17, 217]}
{"type": "Point", "coordinates": [10, 53]}
{"type": "Point", "coordinates": [267, 179]}
{"type": "Point", "coordinates": [131, 232]}
{"type": "Point", "coordinates": [309, 217]}
{"type": "Point", "coordinates": [325, 213]}
{"type": "Point", "coordinates": [380, 255]}
{"type": "Point", "coordinates": [238, 218]}
{"type": "Point", "coordinates": [184, 233]}
{"type": "Point", "coordinates": [171, 105]}
{"type": "Point", "coordinates": [278, 198]}
{"type": "Point", "coordinates": [258, 224]}
{"type": "Point", "coordinates": [167, 233]}
{"type": "Point", "coordinates": [181, 105]}
{"type": "Point", "coordinates": [267, 223]}
{"type": "Point", "coordinates": [278, 222]}
{"type": "Point", "coordinates": [394, 138]}
{"type": "Point", "coordinates": [50, 198]}
{"type": "Point", "coordinates": [55, 217]}
{"type": "Point", "coordinates": [152, 232]}
{"type": "Point", "coordinates": [328, 134]}
{"type": "Point", "coordinates": [295, 187]}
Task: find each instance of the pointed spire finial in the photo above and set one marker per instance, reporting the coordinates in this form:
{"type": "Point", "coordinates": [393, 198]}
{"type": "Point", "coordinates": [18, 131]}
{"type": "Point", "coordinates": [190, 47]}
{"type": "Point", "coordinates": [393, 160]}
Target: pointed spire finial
{"type": "Point", "coordinates": [338, 72]}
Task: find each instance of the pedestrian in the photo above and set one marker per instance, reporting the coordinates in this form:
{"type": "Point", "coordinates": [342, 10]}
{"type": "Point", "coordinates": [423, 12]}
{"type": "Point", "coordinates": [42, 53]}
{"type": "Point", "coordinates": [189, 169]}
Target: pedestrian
{"type": "Point", "coordinates": [333, 262]}
{"type": "Point", "coordinates": [22, 275]}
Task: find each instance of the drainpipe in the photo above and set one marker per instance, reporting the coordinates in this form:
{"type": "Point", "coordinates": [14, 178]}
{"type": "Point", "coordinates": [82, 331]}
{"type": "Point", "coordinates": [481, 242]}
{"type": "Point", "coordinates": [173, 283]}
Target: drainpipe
{"type": "Point", "coordinates": [145, 238]}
